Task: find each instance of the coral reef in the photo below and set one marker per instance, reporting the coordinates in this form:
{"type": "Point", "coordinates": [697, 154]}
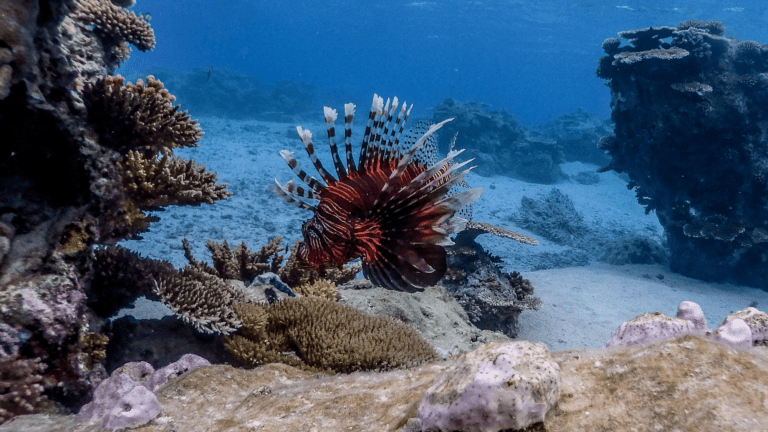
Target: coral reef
{"type": "Point", "coordinates": [492, 299]}
{"type": "Point", "coordinates": [201, 299]}
{"type": "Point", "coordinates": [138, 116]}
{"type": "Point", "coordinates": [116, 24]}
{"type": "Point", "coordinates": [498, 143]}
{"type": "Point", "coordinates": [240, 263]}
{"type": "Point", "coordinates": [64, 191]}
{"type": "Point", "coordinates": [690, 133]}
{"type": "Point", "coordinates": [325, 335]}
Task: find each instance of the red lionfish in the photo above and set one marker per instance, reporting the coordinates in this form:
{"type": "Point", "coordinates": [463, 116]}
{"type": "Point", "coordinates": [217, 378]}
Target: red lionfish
{"type": "Point", "coordinates": [391, 210]}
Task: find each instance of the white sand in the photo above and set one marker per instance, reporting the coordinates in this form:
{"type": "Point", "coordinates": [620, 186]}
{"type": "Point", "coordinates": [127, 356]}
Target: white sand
{"type": "Point", "coordinates": [581, 305]}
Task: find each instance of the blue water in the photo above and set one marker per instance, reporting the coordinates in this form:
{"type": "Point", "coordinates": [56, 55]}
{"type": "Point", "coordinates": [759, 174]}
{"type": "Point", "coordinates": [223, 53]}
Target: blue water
{"type": "Point", "coordinates": [534, 58]}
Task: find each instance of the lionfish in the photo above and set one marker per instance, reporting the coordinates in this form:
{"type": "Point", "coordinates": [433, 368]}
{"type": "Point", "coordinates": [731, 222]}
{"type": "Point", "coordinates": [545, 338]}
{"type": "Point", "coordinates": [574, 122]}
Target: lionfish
{"type": "Point", "coordinates": [392, 209]}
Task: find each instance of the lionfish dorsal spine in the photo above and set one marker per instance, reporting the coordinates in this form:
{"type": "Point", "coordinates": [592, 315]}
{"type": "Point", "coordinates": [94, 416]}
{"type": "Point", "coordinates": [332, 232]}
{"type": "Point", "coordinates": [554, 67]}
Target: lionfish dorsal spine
{"type": "Point", "coordinates": [330, 126]}
{"type": "Point", "coordinates": [402, 119]}
{"type": "Point", "coordinates": [376, 106]}
{"type": "Point", "coordinates": [349, 116]}
{"type": "Point", "coordinates": [407, 159]}
{"type": "Point", "coordinates": [383, 139]}
{"type": "Point", "coordinates": [306, 138]}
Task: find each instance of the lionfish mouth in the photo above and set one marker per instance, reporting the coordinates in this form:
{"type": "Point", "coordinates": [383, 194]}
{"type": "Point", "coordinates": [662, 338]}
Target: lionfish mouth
{"type": "Point", "coordinates": [395, 208]}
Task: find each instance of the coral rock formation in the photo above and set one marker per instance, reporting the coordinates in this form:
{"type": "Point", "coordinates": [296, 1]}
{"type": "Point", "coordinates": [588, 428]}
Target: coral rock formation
{"type": "Point", "coordinates": [690, 125]}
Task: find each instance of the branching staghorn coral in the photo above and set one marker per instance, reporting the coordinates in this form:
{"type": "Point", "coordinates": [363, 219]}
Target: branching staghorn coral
{"type": "Point", "coordinates": [326, 336]}
{"type": "Point", "coordinates": [319, 288]}
{"type": "Point", "coordinates": [201, 299]}
{"type": "Point", "coordinates": [158, 181]}
{"type": "Point", "coordinates": [138, 116]}
{"type": "Point", "coordinates": [240, 263]}
{"type": "Point", "coordinates": [116, 23]}
{"type": "Point", "coordinates": [295, 274]}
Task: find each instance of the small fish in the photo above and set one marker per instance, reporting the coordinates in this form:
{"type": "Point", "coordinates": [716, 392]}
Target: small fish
{"type": "Point", "coordinates": [392, 209]}
{"type": "Point", "coordinates": [210, 69]}
{"type": "Point", "coordinates": [147, 17]}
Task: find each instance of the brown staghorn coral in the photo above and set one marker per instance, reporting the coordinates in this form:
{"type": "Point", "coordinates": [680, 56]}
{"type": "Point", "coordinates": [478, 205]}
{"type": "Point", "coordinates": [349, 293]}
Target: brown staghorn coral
{"type": "Point", "coordinates": [138, 115]}
{"type": "Point", "coordinates": [240, 263]}
{"type": "Point", "coordinates": [20, 388]}
{"type": "Point", "coordinates": [325, 335]}
{"type": "Point", "coordinates": [116, 23]}
{"type": "Point", "coordinates": [159, 181]}
{"type": "Point", "coordinates": [294, 273]}
{"type": "Point", "coordinates": [201, 299]}
{"type": "Point", "coordinates": [319, 288]}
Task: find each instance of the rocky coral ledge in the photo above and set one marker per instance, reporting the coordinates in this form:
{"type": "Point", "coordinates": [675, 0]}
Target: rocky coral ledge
{"type": "Point", "coordinates": [658, 373]}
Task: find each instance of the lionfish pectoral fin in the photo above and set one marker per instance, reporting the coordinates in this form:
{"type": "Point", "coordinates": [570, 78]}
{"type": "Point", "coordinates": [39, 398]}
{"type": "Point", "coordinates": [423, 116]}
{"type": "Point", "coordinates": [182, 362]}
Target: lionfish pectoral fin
{"type": "Point", "coordinates": [408, 267]}
{"type": "Point", "coordinates": [461, 199]}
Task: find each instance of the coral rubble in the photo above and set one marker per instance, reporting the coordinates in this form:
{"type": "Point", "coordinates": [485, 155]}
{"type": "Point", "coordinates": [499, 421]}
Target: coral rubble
{"type": "Point", "coordinates": [690, 127]}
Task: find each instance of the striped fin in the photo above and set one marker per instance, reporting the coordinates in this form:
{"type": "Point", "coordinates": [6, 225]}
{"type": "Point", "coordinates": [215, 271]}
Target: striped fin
{"type": "Point", "coordinates": [376, 106]}
{"type": "Point", "coordinates": [374, 146]}
{"type": "Point", "coordinates": [300, 191]}
{"type": "Point", "coordinates": [402, 119]}
{"type": "Point", "coordinates": [382, 141]}
{"type": "Point", "coordinates": [349, 115]}
{"type": "Point", "coordinates": [306, 138]}
{"type": "Point", "coordinates": [306, 178]}
{"type": "Point", "coordinates": [408, 157]}
{"type": "Point", "coordinates": [284, 193]}
{"type": "Point", "coordinates": [330, 118]}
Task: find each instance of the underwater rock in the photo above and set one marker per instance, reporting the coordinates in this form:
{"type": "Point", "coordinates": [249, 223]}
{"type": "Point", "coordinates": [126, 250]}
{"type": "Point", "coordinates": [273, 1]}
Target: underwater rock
{"type": "Point", "coordinates": [633, 249]}
{"type": "Point", "coordinates": [498, 386]}
{"type": "Point", "coordinates": [577, 133]}
{"type": "Point", "coordinates": [434, 313]}
{"type": "Point", "coordinates": [687, 104]}
{"type": "Point", "coordinates": [499, 145]}
{"type": "Point", "coordinates": [685, 383]}
{"type": "Point", "coordinates": [126, 399]}
{"type": "Point", "coordinates": [742, 329]}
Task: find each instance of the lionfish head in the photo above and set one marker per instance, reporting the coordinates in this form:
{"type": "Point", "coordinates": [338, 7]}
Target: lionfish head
{"type": "Point", "coordinates": [394, 209]}
{"type": "Point", "coordinates": [313, 251]}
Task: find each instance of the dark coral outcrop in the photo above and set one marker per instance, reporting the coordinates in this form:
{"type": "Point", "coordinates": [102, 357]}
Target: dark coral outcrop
{"type": "Point", "coordinates": [65, 187]}
{"type": "Point", "coordinates": [690, 131]}
{"type": "Point", "coordinates": [498, 143]}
